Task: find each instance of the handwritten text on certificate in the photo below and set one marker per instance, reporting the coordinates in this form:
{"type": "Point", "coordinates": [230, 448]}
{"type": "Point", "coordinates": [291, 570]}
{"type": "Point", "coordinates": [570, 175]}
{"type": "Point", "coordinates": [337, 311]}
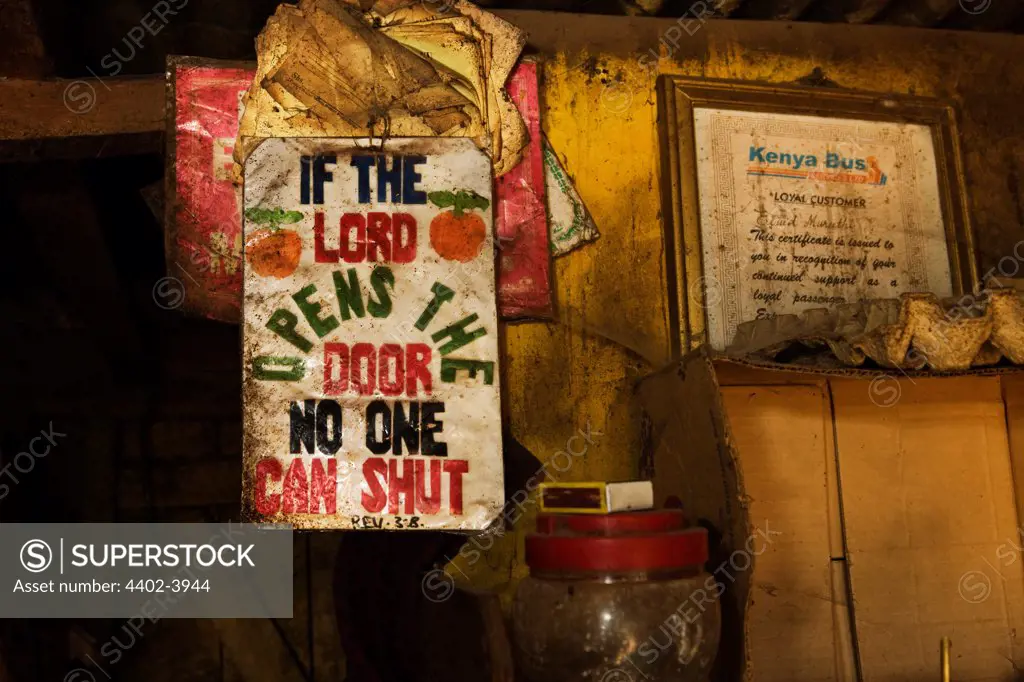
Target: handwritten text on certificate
{"type": "Point", "coordinates": [801, 212]}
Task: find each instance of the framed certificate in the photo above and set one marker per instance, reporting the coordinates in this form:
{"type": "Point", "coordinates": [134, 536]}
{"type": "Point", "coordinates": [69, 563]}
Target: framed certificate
{"type": "Point", "coordinates": [783, 199]}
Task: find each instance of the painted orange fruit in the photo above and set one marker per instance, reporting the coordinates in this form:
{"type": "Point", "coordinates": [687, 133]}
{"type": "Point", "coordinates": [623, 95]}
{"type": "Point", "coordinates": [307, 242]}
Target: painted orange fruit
{"type": "Point", "coordinates": [457, 238]}
{"type": "Point", "coordinates": [458, 235]}
{"type": "Point", "coordinates": [273, 253]}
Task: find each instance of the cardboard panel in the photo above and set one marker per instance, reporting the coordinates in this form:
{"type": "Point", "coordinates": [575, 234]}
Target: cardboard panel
{"type": "Point", "coordinates": [1013, 397]}
{"type": "Point", "coordinates": [784, 435]}
{"type": "Point", "coordinates": [931, 527]}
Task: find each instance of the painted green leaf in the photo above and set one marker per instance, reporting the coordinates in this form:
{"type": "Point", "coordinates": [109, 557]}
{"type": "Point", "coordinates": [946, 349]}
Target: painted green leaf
{"type": "Point", "coordinates": [470, 200]}
{"type": "Point", "coordinates": [461, 201]}
{"type": "Point", "coordinates": [258, 214]}
{"type": "Point", "coordinates": [272, 217]}
{"type": "Point", "coordinates": [442, 199]}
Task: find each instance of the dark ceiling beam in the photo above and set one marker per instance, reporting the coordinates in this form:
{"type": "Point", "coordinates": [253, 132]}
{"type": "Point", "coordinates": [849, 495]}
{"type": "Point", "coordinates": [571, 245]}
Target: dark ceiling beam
{"type": "Point", "coordinates": [56, 119]}
{"type": "Point", "coordinates": [85, 118]}
{"type": "Point", "coordinates": [919, 13]}
{"type": "Point", "coordinates": [80, 119]}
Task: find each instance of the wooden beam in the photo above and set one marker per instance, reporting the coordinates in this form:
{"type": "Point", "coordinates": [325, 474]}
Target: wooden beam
{"type": "Point", "coordinates": [34, 109]}
{"type": "Point", "coordinates": [68, 119]}
{"type": "Point", "coordinates": [80, 118]}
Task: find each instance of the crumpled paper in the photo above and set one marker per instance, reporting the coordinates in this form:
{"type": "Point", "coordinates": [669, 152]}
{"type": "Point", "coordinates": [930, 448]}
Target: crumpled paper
{"type": "Point", "coordinates": [393, 68]}
{"type": "Point", "coordinates": [916, 331]}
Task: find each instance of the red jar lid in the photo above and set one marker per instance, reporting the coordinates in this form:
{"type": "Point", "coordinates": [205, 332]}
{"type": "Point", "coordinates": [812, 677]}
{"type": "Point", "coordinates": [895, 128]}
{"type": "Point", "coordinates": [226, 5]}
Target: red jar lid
{"type": "Point", "coordinates": [618, 554]}
{"type": "Point", "coordinates": [615, 543]}
{"type": "Point", "coordinates": [654, 521]}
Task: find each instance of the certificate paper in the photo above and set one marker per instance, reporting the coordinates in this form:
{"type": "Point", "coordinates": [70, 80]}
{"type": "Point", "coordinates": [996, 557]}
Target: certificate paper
{"type": "Point", "coordinates": [801, 212]}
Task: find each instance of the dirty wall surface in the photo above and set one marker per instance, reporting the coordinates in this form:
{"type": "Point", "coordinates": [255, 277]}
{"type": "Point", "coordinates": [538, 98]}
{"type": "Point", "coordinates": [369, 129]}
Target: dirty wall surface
{"type": "Point", "coordinates": [568, 383]}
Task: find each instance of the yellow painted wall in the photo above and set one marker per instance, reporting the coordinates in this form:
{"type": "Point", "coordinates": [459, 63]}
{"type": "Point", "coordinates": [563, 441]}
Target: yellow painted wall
{"type": "Point", "coordinates": [578, 373]}
{"type": "Point", "coordinates": [601, 118]}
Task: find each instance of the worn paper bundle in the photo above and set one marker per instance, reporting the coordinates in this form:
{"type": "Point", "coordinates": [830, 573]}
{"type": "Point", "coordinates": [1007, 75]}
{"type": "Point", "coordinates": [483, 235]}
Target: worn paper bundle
{"type": "Point", "coordinates": [913, 332]}
{"type": "Point", "coordinates": [341, 68]}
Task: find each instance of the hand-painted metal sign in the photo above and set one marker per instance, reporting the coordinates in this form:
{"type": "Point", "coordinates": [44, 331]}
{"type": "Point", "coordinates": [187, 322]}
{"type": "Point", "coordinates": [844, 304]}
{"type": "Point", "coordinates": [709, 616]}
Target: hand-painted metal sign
{"type": "Point", "coordinates": [203, 220]}
{"type": "Point", "coordinates": [370, 335]}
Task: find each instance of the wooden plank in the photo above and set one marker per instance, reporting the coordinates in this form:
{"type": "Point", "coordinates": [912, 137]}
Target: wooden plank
{"type": "Point", "coordinates": [76, 118]}
{"type": "Point", "coordinates": [39, 109]}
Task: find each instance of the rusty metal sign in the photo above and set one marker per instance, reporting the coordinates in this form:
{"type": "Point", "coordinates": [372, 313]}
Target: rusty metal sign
{"type": "Point", "coordinates": [202, 217]}
{"type": "Point", "coordinates": [370, 343]}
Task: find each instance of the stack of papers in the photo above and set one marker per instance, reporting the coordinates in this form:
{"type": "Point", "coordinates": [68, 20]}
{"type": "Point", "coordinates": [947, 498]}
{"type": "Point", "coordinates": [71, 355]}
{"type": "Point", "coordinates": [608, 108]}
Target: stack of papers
{"type": "Point", "coordinates": [393, 68]}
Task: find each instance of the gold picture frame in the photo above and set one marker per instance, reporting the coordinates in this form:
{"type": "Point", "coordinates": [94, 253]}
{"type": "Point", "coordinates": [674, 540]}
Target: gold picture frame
{"type": "Point", "coordinates": [677, 99]}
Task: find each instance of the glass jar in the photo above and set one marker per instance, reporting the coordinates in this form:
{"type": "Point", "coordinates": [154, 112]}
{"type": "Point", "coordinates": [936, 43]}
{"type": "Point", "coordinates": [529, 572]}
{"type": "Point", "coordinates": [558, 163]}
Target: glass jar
{"type": "Point", "coordinates": [615, 598]}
